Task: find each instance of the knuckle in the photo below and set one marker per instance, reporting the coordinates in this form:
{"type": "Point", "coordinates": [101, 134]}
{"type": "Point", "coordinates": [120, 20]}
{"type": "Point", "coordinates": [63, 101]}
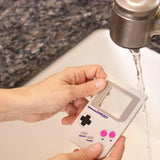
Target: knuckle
{"type": "Point", "coordinates": [68, 69]}
{"type": "Point", "coordinates": [87, 88]}
{"type": "Point", "coordinates": [99, 66]}
{"type": "Point", "coordinates": [100, 71]}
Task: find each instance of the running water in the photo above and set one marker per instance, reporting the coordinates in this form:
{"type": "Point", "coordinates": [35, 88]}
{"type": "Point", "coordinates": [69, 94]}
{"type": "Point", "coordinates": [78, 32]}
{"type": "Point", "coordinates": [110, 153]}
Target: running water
{"type": "Point", "coordinates": [137, 60]}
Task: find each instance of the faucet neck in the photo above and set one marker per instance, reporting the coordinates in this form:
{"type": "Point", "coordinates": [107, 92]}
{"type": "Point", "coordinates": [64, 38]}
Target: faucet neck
{"type": "Point", "coordinates": [131, 23]}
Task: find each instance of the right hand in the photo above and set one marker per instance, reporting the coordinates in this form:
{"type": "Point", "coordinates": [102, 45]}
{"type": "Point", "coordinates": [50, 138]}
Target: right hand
{"type": "Point", "coordinates": [92, 152]}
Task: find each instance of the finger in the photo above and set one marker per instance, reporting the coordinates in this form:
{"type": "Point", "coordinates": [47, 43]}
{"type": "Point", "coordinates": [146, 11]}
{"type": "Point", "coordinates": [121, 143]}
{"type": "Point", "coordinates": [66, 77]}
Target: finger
{"type": "Point", "coordinates": [68, 120]}
{"type": "Point", "coordinates": [118, 150]}
{"type": "Point", "coordinates": [76, 150]}
{"type": "Point", "coordinates": [93, 71]}
{"type": "Point", "coordinates": [71, 109]}
{"type": "Point", "coordinates": [87, 89]}
{"type": "Point", "coordinates": [79, 104]}
{"type": "Point", "coordinates": [89, 153]}
{"type": "Point", "coordinates": [82, 74]}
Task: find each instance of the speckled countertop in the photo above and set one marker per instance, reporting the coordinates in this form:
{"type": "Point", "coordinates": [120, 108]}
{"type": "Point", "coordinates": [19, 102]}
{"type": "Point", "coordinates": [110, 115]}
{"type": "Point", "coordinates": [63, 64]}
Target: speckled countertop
{"type": "Point", "coordinates": [34, 33]}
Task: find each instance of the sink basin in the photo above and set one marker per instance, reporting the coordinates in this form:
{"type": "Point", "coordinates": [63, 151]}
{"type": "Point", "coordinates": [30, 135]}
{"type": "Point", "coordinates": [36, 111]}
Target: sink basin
{"type": "Point", "coordinates": [20, 140]}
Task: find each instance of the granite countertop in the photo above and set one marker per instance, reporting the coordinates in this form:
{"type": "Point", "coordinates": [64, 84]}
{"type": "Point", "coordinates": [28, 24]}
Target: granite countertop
{"type": "Point", "coordinates": [34, 33]}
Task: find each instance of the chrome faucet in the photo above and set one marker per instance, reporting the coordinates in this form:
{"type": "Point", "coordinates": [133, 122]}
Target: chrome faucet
{"type": "Point", "coordinates": [134, 22]}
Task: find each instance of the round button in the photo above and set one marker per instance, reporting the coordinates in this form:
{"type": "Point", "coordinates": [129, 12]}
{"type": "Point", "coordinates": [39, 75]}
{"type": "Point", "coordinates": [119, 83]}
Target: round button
{"type": "Point", "coordinates": [103, 133]}
{"type": "Point", "coordinates": [112, 134]}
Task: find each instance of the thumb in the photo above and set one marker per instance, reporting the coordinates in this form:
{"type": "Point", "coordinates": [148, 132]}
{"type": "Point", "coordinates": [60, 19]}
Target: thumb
{"type": "Point", "coordinates": [89, 88]}
{"type": "Point", "coordinates": [89, 153]}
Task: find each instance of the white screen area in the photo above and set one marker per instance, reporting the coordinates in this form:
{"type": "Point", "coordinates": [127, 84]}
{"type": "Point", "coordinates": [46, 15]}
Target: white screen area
{"type": "Point", "coordinates": [115, 103]}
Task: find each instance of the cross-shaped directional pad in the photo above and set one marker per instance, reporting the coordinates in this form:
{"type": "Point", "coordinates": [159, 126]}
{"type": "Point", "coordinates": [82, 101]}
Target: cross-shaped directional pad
{"type": "Point", "coordinates": [85, 120]}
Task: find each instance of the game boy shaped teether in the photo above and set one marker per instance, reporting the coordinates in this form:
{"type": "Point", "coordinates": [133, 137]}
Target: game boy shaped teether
{"type": "Point", "coordinates": [106, 117]}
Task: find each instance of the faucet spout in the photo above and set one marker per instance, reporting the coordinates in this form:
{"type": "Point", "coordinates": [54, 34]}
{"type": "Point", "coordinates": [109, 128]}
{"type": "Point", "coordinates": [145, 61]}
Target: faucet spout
{"type": "Point", "coordinates": [132, 22]}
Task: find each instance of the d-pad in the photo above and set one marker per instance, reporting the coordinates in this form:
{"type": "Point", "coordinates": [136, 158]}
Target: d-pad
{"type": "Point", "coordinates": [85, 120]}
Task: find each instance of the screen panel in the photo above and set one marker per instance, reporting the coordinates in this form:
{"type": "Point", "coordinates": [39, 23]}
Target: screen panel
{"type": "Point", "coordinates": [115, 103]}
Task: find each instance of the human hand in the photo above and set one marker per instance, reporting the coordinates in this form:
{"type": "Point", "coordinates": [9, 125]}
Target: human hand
{"type": "Point", "coordinates": [54, 94]}
{"type": "Point", "coordinates": [92, 152]}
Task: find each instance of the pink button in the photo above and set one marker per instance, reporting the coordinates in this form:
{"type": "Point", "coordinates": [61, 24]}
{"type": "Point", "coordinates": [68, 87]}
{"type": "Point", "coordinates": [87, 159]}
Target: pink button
{"type": "Point", "coordinates": [103, 133]}
{"type": "Point", "coordinates": [112, 134]}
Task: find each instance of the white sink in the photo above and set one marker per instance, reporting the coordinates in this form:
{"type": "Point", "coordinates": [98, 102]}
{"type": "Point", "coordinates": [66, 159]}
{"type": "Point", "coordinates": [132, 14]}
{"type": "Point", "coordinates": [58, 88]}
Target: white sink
{"type": "Point", "coordinates": [20, 140]}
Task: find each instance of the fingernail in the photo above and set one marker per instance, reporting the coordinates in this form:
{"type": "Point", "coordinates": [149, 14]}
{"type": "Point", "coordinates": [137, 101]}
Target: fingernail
{"type": "Point", "coordinates": [124, 138]}
{"type": "Point", "coordinates": [65, 122]}
{"type": "Point", "coordinates": [99, 83]}
{"type": "Point", "coordinates": [96, 147]}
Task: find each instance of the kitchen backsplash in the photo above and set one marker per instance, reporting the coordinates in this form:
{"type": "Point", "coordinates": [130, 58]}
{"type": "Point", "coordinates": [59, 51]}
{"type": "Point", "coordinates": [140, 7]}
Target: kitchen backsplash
{"type": "Point", "coordinates": [34, 33]}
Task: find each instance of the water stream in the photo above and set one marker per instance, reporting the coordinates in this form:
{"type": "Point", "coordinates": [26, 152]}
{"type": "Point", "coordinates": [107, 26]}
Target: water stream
{"type": "Point", "coordinates": [137, 60]}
